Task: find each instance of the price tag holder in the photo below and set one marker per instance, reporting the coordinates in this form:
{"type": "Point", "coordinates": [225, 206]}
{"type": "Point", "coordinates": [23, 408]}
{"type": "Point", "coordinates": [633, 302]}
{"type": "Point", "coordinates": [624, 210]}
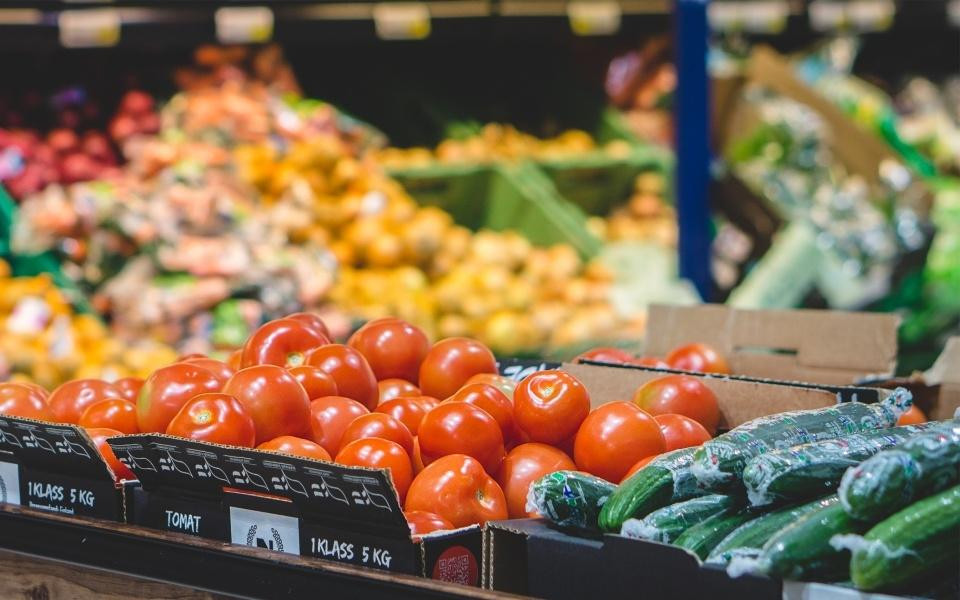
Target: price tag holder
{"type": "Point", "coordinates": [402, 20]}
{"type": "Point", "coordinates": [94, 28]}
{"type": "Point", "coordinates": [594, 18]}
{"type": "Point", "coordinates": [858, 15]}
{"type": "Point", "coordinates": [758, 17]}
{"type": "Point", "coordinates": [244, 24]}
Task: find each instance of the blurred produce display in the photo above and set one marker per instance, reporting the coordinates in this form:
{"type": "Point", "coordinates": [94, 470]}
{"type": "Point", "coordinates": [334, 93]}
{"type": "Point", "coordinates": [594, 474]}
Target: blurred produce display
{"type": "Point", "coordinates": [642, 82]}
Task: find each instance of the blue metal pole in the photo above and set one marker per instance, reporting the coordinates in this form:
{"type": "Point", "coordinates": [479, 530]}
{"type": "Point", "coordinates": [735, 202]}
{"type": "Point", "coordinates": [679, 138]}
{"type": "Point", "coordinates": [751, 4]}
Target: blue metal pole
{"type": "Point", "coordinates": [692, 130]}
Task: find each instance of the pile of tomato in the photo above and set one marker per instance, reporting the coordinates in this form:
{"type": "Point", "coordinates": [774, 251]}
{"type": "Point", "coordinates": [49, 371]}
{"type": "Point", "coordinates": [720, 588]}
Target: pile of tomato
{"type": "Point", "coordinates": [462, 444]}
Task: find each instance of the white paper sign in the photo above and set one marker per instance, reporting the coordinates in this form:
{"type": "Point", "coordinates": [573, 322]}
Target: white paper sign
{"type": "Point", "coordinates": [244, 24]}
{"type": "Point", "coordinates": [278, 533]}
{"type": "Point", "coordinates": [9, 483]}
{"type": "Point", "coordinates": [597, 17]}
{"type": "Point", "coordinates": [401, 20]}
{"type": "Point", "coordinates": [89, 28]}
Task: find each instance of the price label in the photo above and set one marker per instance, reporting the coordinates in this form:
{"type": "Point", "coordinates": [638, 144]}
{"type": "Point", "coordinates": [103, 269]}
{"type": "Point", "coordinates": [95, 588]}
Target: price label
{"type": "Point", "coordinates": [278, 533]}
{"type": "Point", "coordinates": [244, 24]}
{"type": "Point", "coordinates": [95, 28]}
{"type": "Point", "coordinates": [827, 16]}
{"type": "Point", "coordinates": [401, 20]}
{"type": "Point", "coordinates": [9, 483]}
{"type": "Point", "coordinates": [860, 15]}
{"type": "Point", "coordinates": [759, 17]}
{"type": "Point", "coordinates": [594, 18]}
{"type": "Point", "coordinates": [953, 12]}
{"type": "Point", "coordinates": [20, 16]}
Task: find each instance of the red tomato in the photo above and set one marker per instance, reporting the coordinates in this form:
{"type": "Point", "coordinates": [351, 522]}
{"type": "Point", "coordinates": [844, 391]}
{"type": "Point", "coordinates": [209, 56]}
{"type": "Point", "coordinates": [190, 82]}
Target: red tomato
{"type": "Point", "coordinates": [394, 348]}
{"type": "Point", "coordinates": [606, 354]}
{"type": "Point", "coordinates": [650, 361]}
{"type": "Point", "coordinates": [913, 416]}
{"type": "Point", "coordinates": [525, 464]}
{"type": "Point", "coordinates": [379, 453]}
{"type": "Point", "coordinates": [129, 387]}
{"type": "Point", "coordinates": [550, 405]}
{"type": "Point", "coordinates": [378, 425]}
{"type": "Point", "coordinates": [235, 359]}
{"type": "Point", "coordinates": [315, 381]}
{"type": "Point", "coordinates": [99, 435]}
{"type": "Point", "coordinates": [283, 343]}
{"type": "Point", "coordinates": [504, 384]}
{"type": "Point", "coordinates": [395, 388]}
{"type": "Point", "coordinates": [116, 413]}
{"type": "Point", "coordinates": [39, 389]}
{"type": "Point", "coordinates": [699, 358]}
{"type": "Point", "coordinates": [415, 458]}
{"type": "Point", "coordinates": [614, 437]}
{"type": "Point", "coordinates": [461, 428]}
{"type": "Point", "coordinates": [681, 432]}
{"type": "Point", "coordinates": [68, 401]}
{"type": "Point", "coordinates": [313, 321]}
{"type": "Point", "coordinates": [295, 446]}
{"type": "Point", "coordinates": [409, 411]}
{"type": "Point", "coordinates": [639, 465]}
{"type": "Point", "coordinates": [680, 395]}
{"type": "Point", "coordinates": [222, 370]}
{"type": "Point", "coordinates": [458, 489]}
{"type": "Point", "coordinates": [492, 400]}
{"type": "Point", "coordinates": [21, 400]}
{"type": "Point", "coordinates": [422, 522]}
{"type": "Point", "coordinates": [350, 370]}
{"type": "Point", "coordinates": [451, 362]}
{"type": "Point", "coordinates": [216, 418]}
{"type": "Point", "coordinates": [428, 401]}
{"type": "Point", "coordinates": [329, 418]}
{"type": "Point", "coordinates": [166, 391]}
{"type": "Point", "coordinates": [274, 400]}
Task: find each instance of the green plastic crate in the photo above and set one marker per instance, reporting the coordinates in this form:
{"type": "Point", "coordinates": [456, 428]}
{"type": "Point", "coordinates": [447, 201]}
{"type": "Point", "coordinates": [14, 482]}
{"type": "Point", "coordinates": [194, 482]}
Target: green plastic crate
{"type": "Point", "coordinates": [460, 190]}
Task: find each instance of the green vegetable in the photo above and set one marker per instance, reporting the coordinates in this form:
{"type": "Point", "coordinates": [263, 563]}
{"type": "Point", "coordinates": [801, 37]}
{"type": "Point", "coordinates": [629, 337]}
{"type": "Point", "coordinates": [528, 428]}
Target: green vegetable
{"type": "Point", "coordinates": [811, 470]}
{"type": "Point", "coordinates": [905, 548]}
{"type": "Point", "coordinates": [569, 498]}
{"type": "Point", "coordinates": [881, 485]}
{"type": "Point", "coordinates": [703, 537]}
{"type": "Point", "coordinates": [718, 463]}
{"type": "Point", "coordinates": [749, 538]}
{"type": "Point", "coordinates": [665, 524]}
{"type": "Point", "coordinates": [665, 480]}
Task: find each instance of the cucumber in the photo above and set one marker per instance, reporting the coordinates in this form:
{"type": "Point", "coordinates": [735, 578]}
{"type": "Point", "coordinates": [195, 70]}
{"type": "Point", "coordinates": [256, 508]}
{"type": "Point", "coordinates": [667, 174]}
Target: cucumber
{"type": "Point", "coordinates": [703, 537]}
{"type": "Point", "coordinates": [665, 524]}
{"type": "Point", "coordinates": [811, 470]}
{"type": "Point", "coordinates": [909, 546]}
{"type": "Point", "coordinates": [665, 480]}
{"type": "Point", "coordinates": [718, 463]}
{"type": "Point", "coordinates": [569, 498]}
{"type": "Point", "coordinates": [749, 538]}
{"type": "Point", "coordinates": [893, 479]}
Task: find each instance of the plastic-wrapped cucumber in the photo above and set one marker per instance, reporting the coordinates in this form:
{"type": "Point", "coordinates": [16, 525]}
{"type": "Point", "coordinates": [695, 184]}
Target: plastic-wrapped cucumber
{"type": "Point", "coordinates": [892, 479]}
{"type": "Point", "coordinates": [665, 524]}
{"type": "Point", "coordinates": [748, 539]}
{"type": "Point", "coordinates": [704, 536]}
{"type": "Point", "coordinates": [811, 470]}
{"type": "Point", "coordinates": [718, 463]}
{"type": "Point", "coordinates": [569, 498]}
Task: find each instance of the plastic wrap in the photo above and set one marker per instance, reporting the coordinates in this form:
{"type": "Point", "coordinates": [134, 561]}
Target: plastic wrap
{"type": "Point", "coordinates": [569, 498]}
{"type": "Point", "coordinates": [665, 524]}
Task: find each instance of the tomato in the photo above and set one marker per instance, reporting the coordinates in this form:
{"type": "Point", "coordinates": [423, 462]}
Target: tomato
{"type": "Point", "coordinates": [461, 428]}
{"type": "Point", "coordinates": [222, 370]}
{"type": "Point", "coordinates": [492, 400]}
{"type": "Point", "coordinates": [393, 347]}
{"type": "Point", "coordinates": [315, 381]}
{"type": "Point", "coordinates": [99, 435]}
{"type": "Point", "coordinates": [428, 401]}
{"type": "Point", "coordinates": [699, 358]}
{"type": "Point", "coordinates": [504, 384]}
{"type": "Point", "coordinates": [380, 454]}
{"type": "Point", "coordinates": [681, 432]}
{"type": "Point", "coordinates": [913, 416]}
{"type": "Point", "coordinates": [283, 343]}
{"type": "Point", "coordinates": [329, 418]}
{"type": "Point", "coordinates": [451, 362]}
{"type": "Point", "coordinates": [408, 410]}
{"type": "Point", "coordinates": [550, 405]}
{"type": "Point", "coordinates": [22, 400]}
{"type": "Point", "coordinates": [525, 464]}
{"type": "Point", "coordinates": [421, 522]}
{"type": "Point", "coordinates": [68, 401]}
{"type": "Point", "coordinates": [378, 425]}
{"type": "Point", "coordinates": [167, 390]}
{"type": "Point", "coordinates": [216, 418]}
{"type": "Point", "coordinates": [235, 358]}
{"type": "Point", "coordinates": [639, 465]}
{"type": "Point", "coordinates": [275, 401]}
{"type": "Point", "coordinates": [349, 370]}
{"type": "Point", "coordinates": [129, 387]}
{"type": "Point", "coordinates": [458, 489]}
{"type": "Point", "coordinates": [295, 446]}
{"type": "Point", "coordinates": [116, 413]}
{"type": "Point", "coordinates": [313, 321]}
{"type": "Point", "coordinates": [615, 436]}
{"type": "Point", "coordinates": [606, 354]}
{"type": "Point", "coordinates": [650, 361]}
{"type": "Point", "coordinates": [680, 395]}
{"type": "Point", "coordinates": [39, 389]}
{"type": "Point", "coordinates": [395, 388]}
{"type": "Point", "coordinates": [415, 458]}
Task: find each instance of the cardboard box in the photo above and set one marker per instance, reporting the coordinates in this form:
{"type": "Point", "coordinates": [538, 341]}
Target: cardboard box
{"type": "Point", "coordinates": [287, 504]}
{"type": "Point", "coordinates": [937, 391]}
{"type": "Point", "coordinates": [55, 467]}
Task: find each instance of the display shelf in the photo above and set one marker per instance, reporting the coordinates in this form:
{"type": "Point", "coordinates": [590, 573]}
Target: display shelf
{"type": "Point", "coordinates": [180, 560]}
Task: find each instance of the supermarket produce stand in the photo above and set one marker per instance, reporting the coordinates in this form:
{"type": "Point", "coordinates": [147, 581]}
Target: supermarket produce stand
{"type": "Point", "coordinates": [49, 555]}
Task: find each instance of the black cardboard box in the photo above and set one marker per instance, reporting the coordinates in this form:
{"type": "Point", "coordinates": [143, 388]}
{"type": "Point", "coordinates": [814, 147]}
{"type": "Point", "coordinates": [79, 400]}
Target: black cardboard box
{"type": "Point", "coordinates": [287, 504]}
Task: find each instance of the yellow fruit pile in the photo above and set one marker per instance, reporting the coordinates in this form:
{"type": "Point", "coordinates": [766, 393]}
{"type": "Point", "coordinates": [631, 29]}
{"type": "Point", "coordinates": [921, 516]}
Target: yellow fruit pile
{"type": "Point", "coordinates": [647, 216]}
